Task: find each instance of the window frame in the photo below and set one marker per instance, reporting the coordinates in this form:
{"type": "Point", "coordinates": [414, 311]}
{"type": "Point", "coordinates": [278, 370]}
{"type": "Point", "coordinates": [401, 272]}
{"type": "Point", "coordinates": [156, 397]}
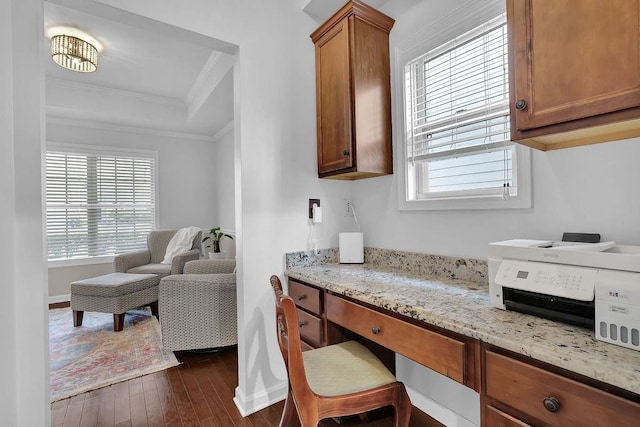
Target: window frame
{"type": "Point", "coordinates": [426, 39]}
{"type": "Point", "coordinates": [84, 149]}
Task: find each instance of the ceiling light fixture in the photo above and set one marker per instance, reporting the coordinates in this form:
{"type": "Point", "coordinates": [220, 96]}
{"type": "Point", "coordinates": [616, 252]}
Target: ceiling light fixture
{"type": "Point", "coordinates": [74, 53]}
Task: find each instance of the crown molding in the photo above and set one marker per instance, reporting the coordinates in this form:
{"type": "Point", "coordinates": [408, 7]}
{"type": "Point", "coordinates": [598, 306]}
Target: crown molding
{"type": "Point", "coordinates": [204, 74]}
{"type": "Point", "coordinates": [53, 118]}
{"type": "Point", "coordinates": [222, 132]}
{"type": "Point", "coordinates": [108, 91]}
{"type": "Point", "coordinates": [321, 10]}
{"type": "Point", "coordinates": [208, 79]}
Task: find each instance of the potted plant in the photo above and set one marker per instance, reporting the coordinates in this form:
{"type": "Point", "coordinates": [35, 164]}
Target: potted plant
{"type": "Point", "coordinates": [213, 240]}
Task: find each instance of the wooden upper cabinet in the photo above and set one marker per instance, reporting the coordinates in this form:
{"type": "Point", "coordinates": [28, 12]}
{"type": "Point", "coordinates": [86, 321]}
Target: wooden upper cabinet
{"type": "Point", "coordinates": [353, 93]}
{"type": "Point", "coordinates": [574, 71]}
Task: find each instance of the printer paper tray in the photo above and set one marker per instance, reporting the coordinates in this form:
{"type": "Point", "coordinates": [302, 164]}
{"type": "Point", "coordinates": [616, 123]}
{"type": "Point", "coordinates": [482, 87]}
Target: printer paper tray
{"type": "Point", "coordinates": [579, 313]}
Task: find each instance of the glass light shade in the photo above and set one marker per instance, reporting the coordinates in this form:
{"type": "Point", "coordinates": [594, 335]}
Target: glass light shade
{"type": "Point", "coordinates": [74, 53]}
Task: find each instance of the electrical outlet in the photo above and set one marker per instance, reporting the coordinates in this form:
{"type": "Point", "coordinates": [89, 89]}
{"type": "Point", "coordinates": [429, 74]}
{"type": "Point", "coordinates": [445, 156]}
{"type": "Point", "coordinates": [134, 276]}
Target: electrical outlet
{"type": "Point", "coordinates": [348, 207]}
{"type": "Point", "coordinates": [311, 203]}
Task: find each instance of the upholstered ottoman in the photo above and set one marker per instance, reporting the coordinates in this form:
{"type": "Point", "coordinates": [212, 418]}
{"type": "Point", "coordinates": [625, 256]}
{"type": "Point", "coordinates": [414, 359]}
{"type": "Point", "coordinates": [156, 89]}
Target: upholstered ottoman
{"type": "Point", "coordinates": [114, 293]}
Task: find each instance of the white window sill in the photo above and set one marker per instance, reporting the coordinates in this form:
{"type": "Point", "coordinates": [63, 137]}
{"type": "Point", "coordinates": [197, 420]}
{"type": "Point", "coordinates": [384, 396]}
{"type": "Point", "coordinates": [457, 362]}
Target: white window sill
{"type": "Point", "coordinates": [494, 202]}
{"type": "Point", "coordinates": [80, 261]}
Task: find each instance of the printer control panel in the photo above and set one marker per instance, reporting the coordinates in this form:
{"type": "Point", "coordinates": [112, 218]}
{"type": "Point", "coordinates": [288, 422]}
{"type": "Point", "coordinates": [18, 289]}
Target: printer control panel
{"type": "Point", "coordinates": [547, 278]}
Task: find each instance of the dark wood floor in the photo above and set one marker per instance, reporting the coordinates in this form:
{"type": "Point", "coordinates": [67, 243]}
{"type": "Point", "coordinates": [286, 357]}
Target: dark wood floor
{"type": "Point", "coordinates": [199, 392]}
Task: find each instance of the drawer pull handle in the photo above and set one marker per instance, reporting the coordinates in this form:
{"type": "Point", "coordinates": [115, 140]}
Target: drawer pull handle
{"type": "Point", "coordinates": [375, 330]}
{"type": "Point", "coordinates": [551, 404]}
{"type": "Point", "coordinates": [301, 297]}
{"type": "Point", "coordinates": [302, 323]}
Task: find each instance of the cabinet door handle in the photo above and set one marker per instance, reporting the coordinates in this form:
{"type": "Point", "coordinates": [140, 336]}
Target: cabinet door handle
{"type": "Point", "coordinates": [345, 153]}
{"type": "Point", "coordinates": [375, 330]}
{"type": "Point", "coordinates": [301, 297]}
{"type": "Point", "coordinates": [551, 404]}
{"type": "Point", "coordinates": [301, 323]}
{"type": "Point", "coordinates": [521, 104]}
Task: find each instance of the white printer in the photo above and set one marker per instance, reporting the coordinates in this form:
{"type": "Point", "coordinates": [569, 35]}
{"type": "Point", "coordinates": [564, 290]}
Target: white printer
{"type": "Point", "coordinates": [595, 285]}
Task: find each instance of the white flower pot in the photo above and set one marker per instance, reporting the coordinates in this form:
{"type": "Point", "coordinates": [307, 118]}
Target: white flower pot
{"type": "Point", "coordinates": [217, 255]}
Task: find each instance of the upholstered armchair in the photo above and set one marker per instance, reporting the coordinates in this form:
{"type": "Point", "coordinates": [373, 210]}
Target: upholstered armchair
{"type": "Point", "coordinates": [150, 260]}
{"type": "Point", "coordinates": [198, 309]}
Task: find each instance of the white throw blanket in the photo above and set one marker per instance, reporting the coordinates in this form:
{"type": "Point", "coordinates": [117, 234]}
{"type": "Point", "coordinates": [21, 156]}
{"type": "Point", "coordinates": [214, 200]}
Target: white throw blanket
{"type": "Point", "coordinates": [181, 242]}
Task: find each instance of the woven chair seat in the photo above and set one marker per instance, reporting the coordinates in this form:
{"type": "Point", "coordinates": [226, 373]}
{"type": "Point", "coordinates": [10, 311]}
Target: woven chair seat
{"type": "Point", "coordinates": [348, 367]}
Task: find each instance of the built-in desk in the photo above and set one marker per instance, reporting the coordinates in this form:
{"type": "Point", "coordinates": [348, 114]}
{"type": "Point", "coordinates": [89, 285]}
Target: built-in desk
{"type": "Point", "coordinates": [528, 370]}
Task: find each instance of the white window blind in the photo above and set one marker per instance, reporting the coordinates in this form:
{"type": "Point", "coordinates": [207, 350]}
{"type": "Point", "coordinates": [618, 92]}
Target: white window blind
{"type": "Point", "coordinates": [98, 203]}
{"type": "Point", "coordinates": [457, 118]}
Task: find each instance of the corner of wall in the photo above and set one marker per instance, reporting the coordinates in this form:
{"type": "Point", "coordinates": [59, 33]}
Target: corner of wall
{"type": "Point", "coordinates": [247, 405]}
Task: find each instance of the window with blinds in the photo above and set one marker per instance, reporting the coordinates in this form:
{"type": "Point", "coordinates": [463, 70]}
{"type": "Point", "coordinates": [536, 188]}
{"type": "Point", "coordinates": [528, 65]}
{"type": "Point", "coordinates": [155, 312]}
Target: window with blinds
{"type": "Point", "coordinates": [98, 203]}
{"type": "Point", "coordinates": [457, 118]}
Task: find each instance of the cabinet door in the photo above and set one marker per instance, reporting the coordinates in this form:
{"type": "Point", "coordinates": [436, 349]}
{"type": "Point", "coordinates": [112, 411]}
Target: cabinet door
{"type": "Point", "coordinates": [572, 59]}
{"type": "Point", "coordinates": [333, 100]}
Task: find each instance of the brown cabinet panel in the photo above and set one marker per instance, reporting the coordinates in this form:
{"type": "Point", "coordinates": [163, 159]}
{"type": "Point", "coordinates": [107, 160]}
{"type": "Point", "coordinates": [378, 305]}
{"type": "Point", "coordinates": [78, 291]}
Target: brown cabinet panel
{"type": "Point", "coordinates": [372, 93]}
{"type": "Point", "coordinates": [554, 399]}
{"type": "Point", "coordinates": [333, 109]}
{"type": "Point", "coordinates": [305, 296]}
{"type": "Point", "coordinates": [353, 93]}
{"type": "Point", "coordinates": [576, 66]}
{"type": "Point", "coordinates": [497, 418]}
{"type": "Point", "coordinates": [305, 346]}
{"type": "Point", "coordinates": [440, 353]}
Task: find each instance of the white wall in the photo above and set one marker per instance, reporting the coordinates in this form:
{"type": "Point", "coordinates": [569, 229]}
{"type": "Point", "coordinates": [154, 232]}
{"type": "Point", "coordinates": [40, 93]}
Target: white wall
{"type": "Point", "coordinates": [24, 367]}
{"type": "Point", "coordinates": [186, 193]}
{"type": "Point", "coordinates": [585, 189]}
{"type": "Point", "coordinates": [222, 183]}
{"type": "Point", "coordinates": [274, 146]}
{"type": "Point", "coordinates": [8, 334]}
{"type": "Point", "coordinates": [60, 278]}
{"type": "Point", "coordinates": [275, 173]}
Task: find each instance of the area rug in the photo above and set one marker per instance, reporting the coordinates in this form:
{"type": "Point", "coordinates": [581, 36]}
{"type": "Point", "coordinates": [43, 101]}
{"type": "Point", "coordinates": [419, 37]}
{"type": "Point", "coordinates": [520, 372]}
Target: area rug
{"type": "Point", "coordinates": [92, 356]}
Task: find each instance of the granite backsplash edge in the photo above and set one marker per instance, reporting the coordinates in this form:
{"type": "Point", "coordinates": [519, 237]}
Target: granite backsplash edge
{"type": "Point", "coordinates": [473, 270]}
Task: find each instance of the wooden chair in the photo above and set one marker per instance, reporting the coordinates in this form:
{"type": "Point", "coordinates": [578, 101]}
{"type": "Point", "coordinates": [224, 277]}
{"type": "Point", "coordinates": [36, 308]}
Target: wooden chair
{"type": "Point", "coordinates": [332, 381]}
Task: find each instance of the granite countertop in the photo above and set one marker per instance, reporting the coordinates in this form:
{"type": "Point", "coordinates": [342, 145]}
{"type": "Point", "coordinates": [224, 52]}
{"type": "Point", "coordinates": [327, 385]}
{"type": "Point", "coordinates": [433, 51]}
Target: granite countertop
{"type": "Point", "coordinates": [462, 306]}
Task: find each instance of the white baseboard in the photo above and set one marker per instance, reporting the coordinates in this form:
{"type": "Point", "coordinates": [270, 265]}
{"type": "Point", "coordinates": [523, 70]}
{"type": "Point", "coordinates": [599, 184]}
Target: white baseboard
{"type": "Point", "coordinates": [247, 405]}
{"type": "Point", "coordinates": [59, 298]}
{"type": "Point", "coordinates": [435, 410]}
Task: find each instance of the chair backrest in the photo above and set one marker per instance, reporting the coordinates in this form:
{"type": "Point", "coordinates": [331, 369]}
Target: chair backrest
{"type": "Point", "coordinates": [310, 407]}
{"type": "Point", "coordinates": [158, 240]}
{"type": "Point", "coordinates": [289, 340]}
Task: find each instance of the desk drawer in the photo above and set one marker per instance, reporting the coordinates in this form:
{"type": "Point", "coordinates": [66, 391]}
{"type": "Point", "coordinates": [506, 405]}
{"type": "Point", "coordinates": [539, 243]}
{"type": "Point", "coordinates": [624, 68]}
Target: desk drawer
{"type": "Point", "coordinates": [497, 418]}
{"type": "Point", "coordinates": [525, 388]}
{"type": "Point", "coordinates": [305, 296]}
{"type": "Point", "coordinates": [310, 328]}
{"type": "Point", "coordinates": [438, 352]}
